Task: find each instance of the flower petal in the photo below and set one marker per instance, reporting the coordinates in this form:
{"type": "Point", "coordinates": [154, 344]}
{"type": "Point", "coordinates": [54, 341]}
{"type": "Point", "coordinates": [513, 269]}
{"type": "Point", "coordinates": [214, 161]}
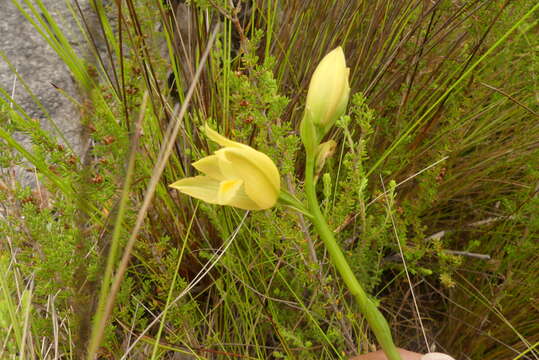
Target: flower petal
{"type": "Point", "coordinates": [201, 187]}
{"type": "Point", "coordinates": [210, 167]}
{"type": "Point", "coordinates": [207, 189]}
{"type": "Point", "coordinates": [258, 172]}
{"type": "Point", "coordinates": [220, 139]}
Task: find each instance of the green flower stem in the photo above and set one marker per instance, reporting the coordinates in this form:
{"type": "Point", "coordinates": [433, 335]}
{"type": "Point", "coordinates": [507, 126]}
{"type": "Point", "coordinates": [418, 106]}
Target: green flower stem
{"type": "Point", "coordinates": [374, 317]}
{"type": "Point", "coordinates": [287, 199]}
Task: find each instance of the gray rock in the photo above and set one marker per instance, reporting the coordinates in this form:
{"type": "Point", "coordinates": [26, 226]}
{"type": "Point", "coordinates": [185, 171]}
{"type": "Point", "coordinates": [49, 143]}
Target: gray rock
{"type": "Point", "coordinates": [42, 70]}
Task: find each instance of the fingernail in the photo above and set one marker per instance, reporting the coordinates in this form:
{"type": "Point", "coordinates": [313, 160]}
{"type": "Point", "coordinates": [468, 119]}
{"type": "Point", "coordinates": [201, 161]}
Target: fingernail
{"type": "Point", "coordinates": [436, 356]}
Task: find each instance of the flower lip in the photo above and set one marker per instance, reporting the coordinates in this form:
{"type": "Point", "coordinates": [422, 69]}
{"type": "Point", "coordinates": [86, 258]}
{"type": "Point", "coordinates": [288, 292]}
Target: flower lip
{"type": "Point", "coordinates": [228, 189]}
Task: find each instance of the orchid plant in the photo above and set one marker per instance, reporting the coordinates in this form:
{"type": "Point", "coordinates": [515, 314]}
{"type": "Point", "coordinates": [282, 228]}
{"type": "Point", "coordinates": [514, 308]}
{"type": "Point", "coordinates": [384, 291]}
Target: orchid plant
{"type": "Point", "coordinates": [240, 176]}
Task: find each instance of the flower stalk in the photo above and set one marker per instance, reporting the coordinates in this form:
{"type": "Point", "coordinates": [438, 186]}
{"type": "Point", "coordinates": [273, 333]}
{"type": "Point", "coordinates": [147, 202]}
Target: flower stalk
{"type": "Point", "coordinates": [374, 317]}
{"type": "Point", "coordinates": [327, 99]}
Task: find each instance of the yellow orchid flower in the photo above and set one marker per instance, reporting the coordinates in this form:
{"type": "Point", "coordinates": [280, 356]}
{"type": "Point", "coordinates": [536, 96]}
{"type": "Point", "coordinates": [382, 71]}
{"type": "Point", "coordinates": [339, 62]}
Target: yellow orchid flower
{"type": "Point", "coordinates": [236, 175]}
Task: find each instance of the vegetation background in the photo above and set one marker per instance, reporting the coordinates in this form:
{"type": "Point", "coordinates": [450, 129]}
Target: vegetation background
{"type": "Point", "coordinates": [439, 152]}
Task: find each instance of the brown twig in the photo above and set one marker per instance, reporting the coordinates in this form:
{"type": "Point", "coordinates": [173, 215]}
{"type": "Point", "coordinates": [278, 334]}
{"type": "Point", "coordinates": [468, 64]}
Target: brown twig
{"type": "Point", "coordinates": [509, 97]}
{"type": "Point", "coordinates": [234, 19]}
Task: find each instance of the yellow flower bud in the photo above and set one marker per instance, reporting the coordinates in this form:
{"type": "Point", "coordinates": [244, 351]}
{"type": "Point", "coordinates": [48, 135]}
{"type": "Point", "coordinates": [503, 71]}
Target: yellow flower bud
{"type": "Point", "coordinates": [236, 175]}
{"type": "Point", "coordinates": [328, 92]}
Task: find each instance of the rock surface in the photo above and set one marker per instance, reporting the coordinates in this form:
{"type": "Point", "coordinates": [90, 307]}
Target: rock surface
{"type": "Point", "coordinates": [38, 65]}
